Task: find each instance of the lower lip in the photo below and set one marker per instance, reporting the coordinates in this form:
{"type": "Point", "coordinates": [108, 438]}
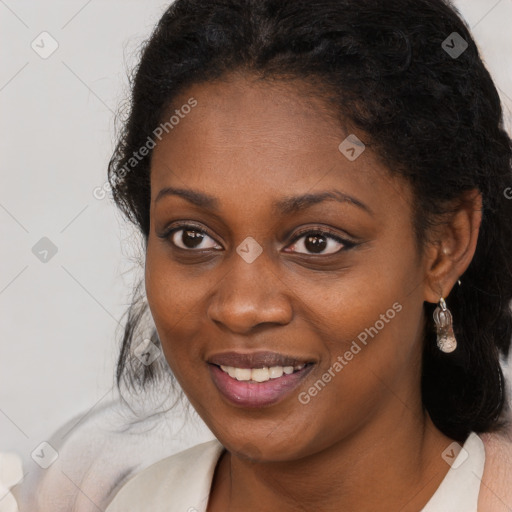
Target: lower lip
{"type": "Point", "coordinates": [256, 394]}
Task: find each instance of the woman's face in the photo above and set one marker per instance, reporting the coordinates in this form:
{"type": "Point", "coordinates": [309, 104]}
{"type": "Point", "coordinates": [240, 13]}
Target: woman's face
{"type": "Point", "coordinates": [282, 242]}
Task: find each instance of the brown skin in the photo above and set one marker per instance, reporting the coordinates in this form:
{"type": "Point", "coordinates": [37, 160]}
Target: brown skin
{"type": "Point", "coordinates": [364, 442]}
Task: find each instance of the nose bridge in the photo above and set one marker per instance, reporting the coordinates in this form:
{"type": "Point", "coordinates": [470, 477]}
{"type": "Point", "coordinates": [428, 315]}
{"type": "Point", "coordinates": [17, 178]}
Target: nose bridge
{"type": "Point", "coordinates": [250, 293]}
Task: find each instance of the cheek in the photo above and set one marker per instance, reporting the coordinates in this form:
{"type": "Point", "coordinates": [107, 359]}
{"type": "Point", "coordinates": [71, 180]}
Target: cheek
{"type": "Point", "coordinates": [178, 299]}
{"type": "Point", "coordinates": [372, 364]}
{"type": "Point", "coordinates": [173, 301]}
{"type": "Point", "coordinates": [166, 298]}
{"type": "Point", "coordinates": [370, 322]}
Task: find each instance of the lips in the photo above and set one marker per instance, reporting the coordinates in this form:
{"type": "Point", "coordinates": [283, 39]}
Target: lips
{"type": "Point", "coordinates": [259, 359]}
{"type": "Point", "coordinates": [257, 394]}
{"type": "Point", "coordinates": [283, 374]}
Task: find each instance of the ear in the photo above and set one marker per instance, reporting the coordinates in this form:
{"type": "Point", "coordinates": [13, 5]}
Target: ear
{"type": "Point", "coordinates": [452, 245]}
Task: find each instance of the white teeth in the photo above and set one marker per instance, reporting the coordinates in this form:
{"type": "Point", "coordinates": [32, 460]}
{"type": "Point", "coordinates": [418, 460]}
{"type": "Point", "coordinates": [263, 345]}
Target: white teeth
{"type": "Point", "coordinates": [260, 374]}
{"type": "Point", "coordinates": [275, 372]}
{"type": "Point", "coordinates": [243, 373]}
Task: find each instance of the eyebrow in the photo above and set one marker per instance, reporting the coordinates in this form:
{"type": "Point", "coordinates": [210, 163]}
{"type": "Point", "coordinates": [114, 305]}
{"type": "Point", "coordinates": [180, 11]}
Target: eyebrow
{"type": "Point", "coordinates": [285, 206]}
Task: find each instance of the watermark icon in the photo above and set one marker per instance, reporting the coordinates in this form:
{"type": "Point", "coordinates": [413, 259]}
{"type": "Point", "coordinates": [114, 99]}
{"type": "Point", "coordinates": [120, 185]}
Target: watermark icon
{"type": "Point", "coordinates": [44, 455]}
{"type": "Point", "coordinates": [352, 147]}
{"type": "Point", "coordinates": [44, 45]}
{"type": "Point", "coordinates": [249, 249]}
{"type": "Point", "coordinates": [454, 45]}
{"type": "Point", "coordinates": [137, 156]}
{"type": "Point", "coordinates": [147, 352]}
{"type": "Point", "coordinates": [44, 249]}
{"type": "Point", "coordinates": [304, 397]}
{"type": "Point", "coordinates": [508, 193]}
{"type": "Point", "coordinates": [455, 455]}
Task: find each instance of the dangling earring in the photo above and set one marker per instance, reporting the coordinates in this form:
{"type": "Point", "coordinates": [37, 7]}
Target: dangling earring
{"type": "Point", "coordinates": [444, 325]}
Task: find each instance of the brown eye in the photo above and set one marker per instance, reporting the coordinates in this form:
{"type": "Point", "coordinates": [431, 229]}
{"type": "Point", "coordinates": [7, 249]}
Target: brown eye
{"type": "Point", "coordinates": [319, 242]}
{"type": "Point", "coordinates": [189, 238]}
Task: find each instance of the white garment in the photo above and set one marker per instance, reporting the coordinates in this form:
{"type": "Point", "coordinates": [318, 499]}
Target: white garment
{"type": "Point", "coordinates": [460, 487]}
{"type": "Point", "coordinates": [100, 450]}
{"type": "Point", "coordinates": [11, 472]}
{"type": "Point", "coordinates": [182, 482]}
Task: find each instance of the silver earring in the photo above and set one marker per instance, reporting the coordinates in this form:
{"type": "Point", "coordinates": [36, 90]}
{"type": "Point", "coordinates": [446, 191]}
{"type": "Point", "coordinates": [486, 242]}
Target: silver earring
{"type": "Point", "coordinates": [446, 341]}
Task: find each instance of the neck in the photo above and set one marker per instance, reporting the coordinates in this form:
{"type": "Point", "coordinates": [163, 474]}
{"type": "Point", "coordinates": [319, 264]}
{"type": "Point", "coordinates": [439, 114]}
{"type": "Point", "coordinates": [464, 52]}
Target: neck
{"type": "Point", "coordinates": [397, 466]}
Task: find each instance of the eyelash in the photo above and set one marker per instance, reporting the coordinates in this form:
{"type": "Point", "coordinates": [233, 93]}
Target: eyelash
{"type": "Point", "coordinates": [347, 244]}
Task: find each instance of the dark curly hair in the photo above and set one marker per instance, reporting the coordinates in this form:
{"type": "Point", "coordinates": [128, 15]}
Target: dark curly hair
{"type": "Point", "coordinates": [433, 117]}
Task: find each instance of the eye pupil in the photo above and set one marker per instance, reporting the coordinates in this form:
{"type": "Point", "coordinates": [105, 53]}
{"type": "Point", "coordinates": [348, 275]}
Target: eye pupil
{"type": "Point", "coordinates": [191, 238]}
{"type": "Point", "coordinates": [315, 243]}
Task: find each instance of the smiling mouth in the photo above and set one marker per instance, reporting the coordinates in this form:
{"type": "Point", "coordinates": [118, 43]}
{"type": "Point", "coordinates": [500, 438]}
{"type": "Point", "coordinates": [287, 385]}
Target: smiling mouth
{"type": "Point", "coordinates": [258, 387]}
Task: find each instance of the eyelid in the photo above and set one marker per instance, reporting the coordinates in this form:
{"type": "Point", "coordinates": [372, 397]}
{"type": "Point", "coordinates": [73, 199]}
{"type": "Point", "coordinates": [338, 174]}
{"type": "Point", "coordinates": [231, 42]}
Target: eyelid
{"type": "Point", "coordinates": [345, 243]}
{"type": "Point", "coordinates": [323, 231]}
{"type": "Point", "coordinates": [167, 232]}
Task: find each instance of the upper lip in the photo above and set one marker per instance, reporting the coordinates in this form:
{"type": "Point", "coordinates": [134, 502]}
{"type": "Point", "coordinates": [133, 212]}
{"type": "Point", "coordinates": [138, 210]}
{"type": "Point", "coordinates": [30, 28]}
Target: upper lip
{"type": "Point", "coordinates": [256, 359]}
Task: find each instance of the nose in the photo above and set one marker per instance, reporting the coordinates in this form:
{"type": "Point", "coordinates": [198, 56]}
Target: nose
{"type": "Point", "coordinates": [250, 295]}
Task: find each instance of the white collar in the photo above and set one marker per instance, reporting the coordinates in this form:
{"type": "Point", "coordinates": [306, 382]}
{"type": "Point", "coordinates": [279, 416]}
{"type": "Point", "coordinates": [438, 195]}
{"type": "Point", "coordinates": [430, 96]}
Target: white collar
{"type": "Point", "coordinates": [458, 492]}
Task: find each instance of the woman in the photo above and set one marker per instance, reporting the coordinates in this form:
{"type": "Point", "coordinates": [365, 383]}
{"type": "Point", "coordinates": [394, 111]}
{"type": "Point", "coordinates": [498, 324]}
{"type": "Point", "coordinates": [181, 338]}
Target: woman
{"type": "Point", "coordinates": [322, 191]}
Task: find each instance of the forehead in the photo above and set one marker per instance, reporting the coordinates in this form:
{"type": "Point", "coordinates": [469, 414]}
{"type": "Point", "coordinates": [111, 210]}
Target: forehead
{"type": "Point", "coordinates": [245, 110]}
{"type": "Point", "coordinates": [246, 136]}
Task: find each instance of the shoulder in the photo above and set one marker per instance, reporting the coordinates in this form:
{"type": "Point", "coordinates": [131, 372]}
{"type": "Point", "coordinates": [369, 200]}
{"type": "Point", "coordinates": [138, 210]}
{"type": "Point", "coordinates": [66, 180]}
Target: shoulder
{"type": "Point", "coordinates": [101, 449]}
{"type": "Point", "coordinates": [496, 486]}
{"type": "Point", "coordinates": [176, 482]}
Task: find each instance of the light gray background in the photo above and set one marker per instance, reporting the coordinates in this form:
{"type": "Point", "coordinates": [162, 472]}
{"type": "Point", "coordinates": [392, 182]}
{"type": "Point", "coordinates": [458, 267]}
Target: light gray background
{"type": "Point", "coordinates": [58, 319]}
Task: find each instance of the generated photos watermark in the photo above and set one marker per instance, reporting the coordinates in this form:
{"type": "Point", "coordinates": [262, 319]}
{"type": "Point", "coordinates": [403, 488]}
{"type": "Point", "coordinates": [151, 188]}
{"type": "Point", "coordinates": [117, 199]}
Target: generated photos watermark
{"type": "Point", "coordinates": [305, 397]}
{"type": "Point", "coordinates": [179, 114]}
